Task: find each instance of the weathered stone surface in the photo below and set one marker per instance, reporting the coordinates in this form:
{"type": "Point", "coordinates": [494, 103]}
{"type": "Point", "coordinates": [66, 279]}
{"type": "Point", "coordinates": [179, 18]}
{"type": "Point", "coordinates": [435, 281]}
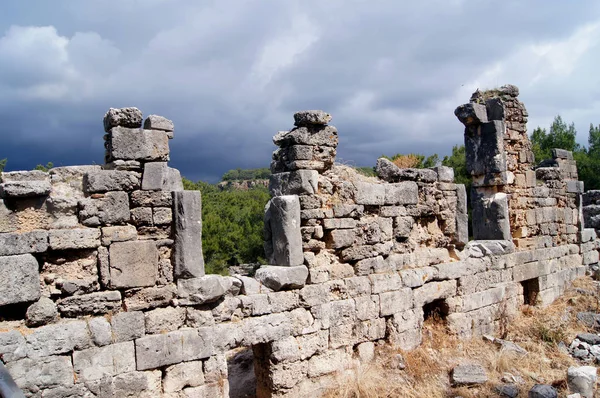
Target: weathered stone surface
{"type": "Point", "coordinates": [369, 193]}
{"type": "Point", "coordinates": [133, 264]}
{"type": "Point", "coordinates": [113, 208]}
{"type": "Point", "coordinates": [542, 391]}
{"type": "Point", "coordinates": [41, 312]}
{"type": "Point", "coordinates": [155, 122]}
{"type": "Point", "coordinates": [547, 173]}
{"type": "Point", "coordinates": [388, 171]}
{"type": "Point", "coordinates": [590, 338]}
{"type": "Point", "coordinates": [187, 374]}
{"type": "Point", "coordinates": [205, 289]}
{"type": "Point", "coordinates": [582, 380]}
{"type": "Point", "coordinates": [118, 234]}
{"type": "Point", "coordinates": [33, 375]}
{"type": "Point", "coordinates": [166, 349]}
{"type": "Point", "coordinates": [151, 198]}
{"type": "Point", "coordinates": [123, 165]}
{"type": "Point", "coordinates": [44, 342]}
{"type": "Point", "coordinates": [462, 216]}
{"type": "Point", "coordinates": [485, 149]}
{"type": "Point", "coordinates": [23, 243]}
{"type": "Point", "coordinates": [24, 189]}
{"type": "Point", "coordinates": [433, 291]}
{"type": "Point", "coordinates": [160, 177]}
{"type": "Point", "coordinates": [283, 239]}
{"type": "Point", "coordinates": [558, 153]}
{"type": "Point", "coordinates": [152, 297]}
{"type": "Point", "coordinates": [80, 238]}
{"type": "Point", "coordinates": [19, 279]}
{"type": "Point", "coordinates": [127, 326]}
{"type": "Point", "coordinates": [471, 114]}
{"type": "Point", "coordinates": [162, 320]}
{"type": "Point", "coordinates": [309, 118]}
{"type": "Point", "coordinates": [100, 330]}
{"type": "Point", "coordinates": [111, 180]}
{"type": "Point", "coordinates": [21, 176]}
{"type": "Point", "coordinates": [402, 193]}
{"type": "Point", "coordinates": [490, 216]}
{"type": "Point", "coordinates": [468, 374]}
{"type": "Point", "coordinates": [95, 363]}
{"type": "Point", "coordinates": [282, 278]}
{"type": "Point", "coordinates": [265, 328]}
{"type": "Point", "coordinates": [92, 303]}
{"type": "Point", "coordinates": [299, 182]}
{"type": "Point", "coordinates": [445, 173]}
{"type": "Point", "coordinates": [308, 135]}
{"type": "Point", "coordinates": [126, 117]}
{"type": "Point", "coordinates": [138, 144]}
{"type": "Point", "coordinates": [12, 346]}
{"type": "Point", "coordinates": [188, 261]}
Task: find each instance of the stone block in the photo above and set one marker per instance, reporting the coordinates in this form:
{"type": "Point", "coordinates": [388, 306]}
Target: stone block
{"type": "Point", "coordinates": [188, 260]}
{"type": "Point", "coordinates": [110, 180]}
{"type": "Point", "coordinates": [205, 289]}
{"type": "Point", "coordinates": [369, 193]}
{"type": "Point", "coordinates": [310, 118]}
{"type": "Point", "coordinates": [582, 379]}
{"type": "Point", "coordinates": [126, 117]}
{"type": "Point", "coordinates": [462, 217]}
{"type": "Point", "coordinates": [96, 363]}
{"type": "Point", "coordinates": [562, 154]}
{"type": "Point", "coordinates": [123, 165]}
{"type": "Point", "coordinates": [471, 114]}
{"type": "Point", "coordinates": [542, 391]}
{"type": "Point", "coordinates": [43, 341]}
{"type": "Point", "coordinates": [159, 177]}
{"type": "Point", "coordinates": [316, 135]}
{"type": "Point", "coordinates": [574, 186]}
{"type": "Point", "coordinates": [167, 349]}
{"type": "Point", "coordinates": [25, 189]}
{"type": "Point", "coordinates": [41, 312]}
{"type": "Point", "coordinates": [395, 301]}
{"type": "Point", "coordinates": [415, 277]}
{"type": "Point", "coordinates": [484, 146]}
{"type": "Point", "coordinates": [112, 208]}
{"type": "Point", "coordinates": [12, 346]}
{"type": "Point", "coordinates": [118, 234]}
{"type": "Point", "coordinates": [155, 122]}
{"type": "Point", "coordinates": [148, 298]}
{"type": "Point", "coordinates": [141, 216]}
{"type": "Point", "coordinates": [127, 326]}
{"type": "Point", "coordinates": [341, 238]}
{"type": "Point", "coordinates": [100, 331]}
{"type": "Point", "coordinates": [490, 216]}
{"type": "Point", "coordinates": [92, 303]}
{"type": "Point", "coordinates": [402, 193]}
{"type": "Point", "coordinates": [133, 264]}
{"type": "Point", "coordinates": [468, 374]}
{"type": "Point", "coordinates": [445, 173]}
{"type": "Point", "coordinates": [137, 144]}
{"type": "Point", "coordinates": [299, 182]}
{"type": "Point", "coordinates": [388, 171]}
{"type": "Point", "coordinates": [162, 320]}
{"type": "Point", "coordinates": [23, 243]}
{"type": "Point", "coordinates": [186, 374]}
{"type": "Point", "coordinates": [385, 282]}
{"type": "Point", "coordinates": [433, 291]}
{"type": "Point", "coordinates": [282, 278]}
{"type": "Point", "coordinates": [19, 279]}
{"type": "Point", "coordinates": [264, 329]}
{"type": "Point", "coordinates": [151, 198]}
{"type": "Point", "coordinates": [283, 238]}
{"type": "Point", "coordinates": [35, 375]}
{"type": "Point", "coordinates": [162, 216]}
{"type": "Point", "coordinates": [79, 238]}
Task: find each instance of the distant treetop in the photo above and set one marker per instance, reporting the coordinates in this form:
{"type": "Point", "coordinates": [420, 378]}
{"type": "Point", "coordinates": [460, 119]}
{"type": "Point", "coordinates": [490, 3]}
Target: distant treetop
{"type": "Point", "coordinates": [247, 174]}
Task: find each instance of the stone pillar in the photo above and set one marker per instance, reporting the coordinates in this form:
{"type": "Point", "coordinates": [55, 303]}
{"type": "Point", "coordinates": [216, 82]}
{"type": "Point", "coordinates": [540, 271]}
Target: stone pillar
{"type": "Point", "coordinates": [304, 152]}
{"type": "Point", "coordinates": [187, 233]}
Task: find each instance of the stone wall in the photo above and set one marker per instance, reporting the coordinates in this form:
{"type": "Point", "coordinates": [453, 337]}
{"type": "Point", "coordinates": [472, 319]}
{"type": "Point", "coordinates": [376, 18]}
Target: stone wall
{"type": "Point", "coordinates": [103, 285]}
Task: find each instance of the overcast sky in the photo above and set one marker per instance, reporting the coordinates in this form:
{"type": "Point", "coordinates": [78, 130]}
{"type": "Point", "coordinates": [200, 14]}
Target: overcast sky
{"type": "Point", "coordinates": [230, 74]}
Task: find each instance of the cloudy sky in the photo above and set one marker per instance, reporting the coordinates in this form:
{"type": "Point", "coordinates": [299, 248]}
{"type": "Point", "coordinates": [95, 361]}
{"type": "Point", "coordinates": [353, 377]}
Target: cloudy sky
{"type": "Point", "coordinates": [230, 74]}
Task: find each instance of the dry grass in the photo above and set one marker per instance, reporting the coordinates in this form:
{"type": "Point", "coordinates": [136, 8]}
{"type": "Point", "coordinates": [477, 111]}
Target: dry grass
{"type": "Point", "coordinates": [538, 330]}
{"type": "Point", "coordinates": [407, 161]}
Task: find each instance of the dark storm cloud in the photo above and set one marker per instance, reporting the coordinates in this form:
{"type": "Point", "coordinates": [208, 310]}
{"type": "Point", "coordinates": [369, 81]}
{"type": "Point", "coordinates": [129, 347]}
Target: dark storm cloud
{"type": "Point", "coordinates": [230, 73]}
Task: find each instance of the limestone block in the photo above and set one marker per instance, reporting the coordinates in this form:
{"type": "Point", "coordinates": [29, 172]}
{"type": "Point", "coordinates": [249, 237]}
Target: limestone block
{"type": "Point", "coordinates": [118, 234]}
{"type": "Point", "coordinates": [582, 379]}
{"type": "Point", "coordinates": [159, 177]}
{"type": "Point", "coordinates": [188, 260]}
{"type": "Point", "coordinates": [155, 122]}
{"type": "Point", "coordinates": [402, 193]}
{"type": "Point", "coordinates": [132, 384]}
{"type": "Point", "coordinates": [588, 234]}
{"type": "Point", "coordinates": [265, 328]}
{"type": "Point", "coordinates": [369, 193]}
{"type": "Point", "coordinates": [484, 146]}
{"type": "Point", "coordinates": [326, 363]}
{"type": "Point", "coordinates": [95, 363]}
{"type": "Point", "coordinates": [113, 208]}
{"type": "Point", "coordinates": [34, 375]}
{"type": "Point", "coordinates": [490, 216]}
{"type": "Point", "coordinates": [396, 301]}
{"type": "Point", "coordinates": [133, 264]}
{"type": "Point", "coordinates": [433, 291]}
{"type": "Point", "coordinates": [186, 374]}
{"type": "Point", "coordinates": [137, 144]}
{"type": "Point", "coordinates": [574, 186]}
{"type": "Point", "coordinates": [12, 346]}
{"type": "Point", "coordinates": [127, 326]}
{"type": "Point", "coordinates": [151, 198]}
{"type": "Point", "coordinates": [416, 277]}
{"type": "Point", "coordinates": [562, 154]}
{"type": "Point", "coordinates": [282, 278]}
{"type": "Point", "coordinates": [388, 171]}
{"type": "Point", "coordinates": [19, 279]}
{"type": "Point", "coordinates": [299, 182]}
{"type": "Point", "coordinates": [44, 340]}
{"type": "Point", "coordinates": [468, 374]}
{"type": "Point", "coordinates": [79, 238]}
{"type": "Point", "coordinates": [141, 216]}
{"type": "Point", "coordinates": [309, 118]}
{"type": "Point", "coordinates": [340, 238]}
{"type": "Point", "coordinates": [542, 391]}
{"type": "Point", "coordinates": [162, 320]}
{"type": "Point", "coordinates": [385, 282]}
{"type": "Point", "coordinates": [100, 330]}
{"type": "Point", "coordinates": [205, 289]}
{"type": "Point", "coordinates": [159, 350]}
{"type": "Point", "coordinates": [126, 117]}
{"type": "Point", "coordinates": [317, 135]}
{"type": "Point", "coordinates": [23, 243]}
{"type": "Point", "coordinates": [148, 298]}
{"type": "Point", "coordinates": [471, 114]}
{"type": "Point", "coordinates": [283, 239]}
{"type": "Point", "coordinates": [110, 180]}
{"type": "Point", "coordinates": [92, 303]}
{"type": "Point", "coordinates": [445, 173]}
{"type": "Point", "coordinates": [162, 216]}
{"type": "Point", "coordinates": [367, 307]}
{"type": "Point", "coordinates": [41, 312]}
{"type": "Point", "coordinates": [24, 189]}
{"type": "Point", "coordinates": [123, 165]}
{"type": "Point", "coordinates": [548, 173]}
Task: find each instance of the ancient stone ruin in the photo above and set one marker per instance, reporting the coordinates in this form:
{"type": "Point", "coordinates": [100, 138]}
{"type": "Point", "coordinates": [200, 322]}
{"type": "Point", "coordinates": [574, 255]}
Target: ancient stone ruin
{"type": "Point", "coordinates": [102, 284]}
